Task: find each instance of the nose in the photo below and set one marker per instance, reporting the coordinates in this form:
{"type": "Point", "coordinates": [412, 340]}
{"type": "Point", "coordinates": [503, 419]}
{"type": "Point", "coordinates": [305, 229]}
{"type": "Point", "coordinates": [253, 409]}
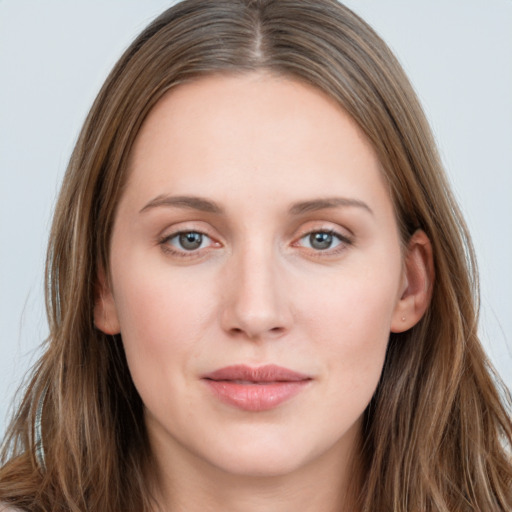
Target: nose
{"type": "Point", "coordinates": [256, 302]}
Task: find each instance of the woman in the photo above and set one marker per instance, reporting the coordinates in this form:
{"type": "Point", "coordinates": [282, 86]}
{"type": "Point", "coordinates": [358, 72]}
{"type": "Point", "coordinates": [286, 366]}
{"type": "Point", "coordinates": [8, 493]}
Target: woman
{"type": "Point", "coordinates": [260, 290]}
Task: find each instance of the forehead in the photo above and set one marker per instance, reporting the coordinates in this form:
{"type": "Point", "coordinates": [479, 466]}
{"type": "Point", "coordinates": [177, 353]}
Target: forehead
{"type": "Point", "coordinates": [251, 102]}
{"type": "Point", "coordinates": [247, 133]}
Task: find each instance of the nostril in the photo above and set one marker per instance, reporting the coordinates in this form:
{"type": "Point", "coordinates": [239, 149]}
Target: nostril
{"type": "Point", "coordinates": [272, 332]}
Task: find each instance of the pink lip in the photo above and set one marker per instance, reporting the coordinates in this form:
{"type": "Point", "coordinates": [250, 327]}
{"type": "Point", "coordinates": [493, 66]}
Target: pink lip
{"type": "Point", "coordinates": [255, 389]}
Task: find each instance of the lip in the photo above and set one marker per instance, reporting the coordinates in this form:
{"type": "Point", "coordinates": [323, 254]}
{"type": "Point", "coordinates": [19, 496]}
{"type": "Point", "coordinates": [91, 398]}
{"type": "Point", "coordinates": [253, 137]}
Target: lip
{"type": "Point", "coordinates": [255, 389]}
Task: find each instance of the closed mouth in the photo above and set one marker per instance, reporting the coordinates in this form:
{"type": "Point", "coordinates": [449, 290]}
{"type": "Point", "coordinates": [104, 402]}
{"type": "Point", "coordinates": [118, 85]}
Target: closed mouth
{"type": "Point", "coordinates": [255, 389]}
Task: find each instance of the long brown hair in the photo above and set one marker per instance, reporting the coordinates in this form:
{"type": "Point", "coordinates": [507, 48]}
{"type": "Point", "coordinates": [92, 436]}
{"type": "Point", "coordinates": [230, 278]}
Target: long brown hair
{"type": "Point", "coordinates": [437, 433]}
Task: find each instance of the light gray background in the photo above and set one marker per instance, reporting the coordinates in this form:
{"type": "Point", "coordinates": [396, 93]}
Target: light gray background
{"type": "Point", "coordinates": [55, 54]}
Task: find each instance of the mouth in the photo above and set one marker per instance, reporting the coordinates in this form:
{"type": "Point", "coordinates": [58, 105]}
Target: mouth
{"type": "Point", "coordinates": [255, 389]}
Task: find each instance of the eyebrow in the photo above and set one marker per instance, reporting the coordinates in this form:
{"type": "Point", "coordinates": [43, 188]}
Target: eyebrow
{"type": "Point", "coordinates": [328, 202]}
{"type": "Point", "coordinates": [191, 202]}
{"type": "Point", "coordinates": [206, 205]}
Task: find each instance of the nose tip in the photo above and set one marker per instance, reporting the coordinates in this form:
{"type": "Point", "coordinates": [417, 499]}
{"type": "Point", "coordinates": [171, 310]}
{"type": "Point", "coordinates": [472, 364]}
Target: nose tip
{"type": "Point", "coordinates": [257, 303]}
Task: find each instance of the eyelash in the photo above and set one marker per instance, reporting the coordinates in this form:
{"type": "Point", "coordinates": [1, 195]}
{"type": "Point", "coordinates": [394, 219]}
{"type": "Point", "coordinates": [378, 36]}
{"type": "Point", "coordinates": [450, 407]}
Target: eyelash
{"type": "Point", "coordinates": [343, 240]}
{"type": "Point", "coordinates": [183, 253]}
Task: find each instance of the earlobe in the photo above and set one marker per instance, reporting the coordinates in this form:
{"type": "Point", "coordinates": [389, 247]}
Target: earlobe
{"type": "Point", "coordinates": [418, 283]}
{"type": "Point", "coordinates": [105, 312]}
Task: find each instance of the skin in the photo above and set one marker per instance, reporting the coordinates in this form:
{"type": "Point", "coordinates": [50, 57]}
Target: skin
{"type": "Point", "coordinates": [258, 290]}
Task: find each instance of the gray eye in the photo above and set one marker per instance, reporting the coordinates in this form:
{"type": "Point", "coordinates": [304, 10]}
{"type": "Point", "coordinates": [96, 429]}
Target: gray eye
{"type": "Point", "coordinates": [190, 241]}
{"type": "Point", "coordinates": [321, 240]}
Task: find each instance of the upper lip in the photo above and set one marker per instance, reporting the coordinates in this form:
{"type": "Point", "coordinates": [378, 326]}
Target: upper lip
{"type": "Point", "coordinates": [266, 373]}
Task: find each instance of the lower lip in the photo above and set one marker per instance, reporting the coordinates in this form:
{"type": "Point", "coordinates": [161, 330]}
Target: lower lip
{"type": "Point", "coordinates": [256, 397]}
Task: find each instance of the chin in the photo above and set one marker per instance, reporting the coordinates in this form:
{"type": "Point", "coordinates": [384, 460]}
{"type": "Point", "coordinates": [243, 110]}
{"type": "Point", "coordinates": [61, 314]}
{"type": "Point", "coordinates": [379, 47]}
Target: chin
{"type": "Point", "coordinates": [265, 456]}
{"type": "Point", "coordinates": [268, 465]}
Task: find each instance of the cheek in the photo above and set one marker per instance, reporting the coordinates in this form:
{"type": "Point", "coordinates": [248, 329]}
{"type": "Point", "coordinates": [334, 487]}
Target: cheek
{"type": "Point", "coordinates": [351, 322]}
{"type": "Point", "coordinates": [354, 310]}
{"type": "Point", "coordinates": [163, 319]}
{"type": "Point", "coordinates": [155, 302]}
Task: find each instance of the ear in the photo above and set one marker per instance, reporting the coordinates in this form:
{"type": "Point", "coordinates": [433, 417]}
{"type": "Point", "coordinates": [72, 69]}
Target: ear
{"type": "Point", "coordinates": [417, 284]}
{"type": "Point", "coordinates": [105, 312]}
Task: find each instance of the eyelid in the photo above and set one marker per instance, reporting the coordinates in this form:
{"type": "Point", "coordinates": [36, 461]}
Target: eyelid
{"type": "Point", "coordinates": [339, 236]}
{"type": "Point", "coordinates": [316, 226]}
{"type": "Point", "coordinates": [187, 226]}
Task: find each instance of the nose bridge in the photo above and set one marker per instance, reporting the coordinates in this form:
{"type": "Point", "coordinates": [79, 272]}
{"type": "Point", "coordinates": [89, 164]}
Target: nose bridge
{"type": "Point", "coordinates": [257, 303]}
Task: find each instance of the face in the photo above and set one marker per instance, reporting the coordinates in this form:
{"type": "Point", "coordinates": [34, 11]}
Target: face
{"type": "Point", "coordinates": [256, 273]}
